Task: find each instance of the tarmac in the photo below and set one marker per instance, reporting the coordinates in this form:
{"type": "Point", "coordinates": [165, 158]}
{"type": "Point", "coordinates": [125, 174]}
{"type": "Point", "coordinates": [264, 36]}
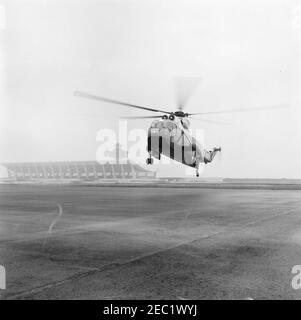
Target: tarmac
{"type": "Point", "coordinates": [145, 242]}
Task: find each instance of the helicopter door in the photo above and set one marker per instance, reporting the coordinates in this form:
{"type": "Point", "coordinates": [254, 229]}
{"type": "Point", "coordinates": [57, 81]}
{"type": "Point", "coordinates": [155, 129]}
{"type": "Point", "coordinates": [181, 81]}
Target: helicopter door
{"type": "Point", "coordinates": [188, 156]}
{"type": "Point", "coordinates": [154, 143]}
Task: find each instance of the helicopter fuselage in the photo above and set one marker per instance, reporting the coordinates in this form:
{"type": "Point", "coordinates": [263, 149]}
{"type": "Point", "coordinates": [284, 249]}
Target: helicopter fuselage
{"type": "Point", "coordinates": [172, 138]}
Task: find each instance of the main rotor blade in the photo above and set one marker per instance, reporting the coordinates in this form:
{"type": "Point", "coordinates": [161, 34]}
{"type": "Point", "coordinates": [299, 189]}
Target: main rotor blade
{"type": "Point", "coordinates": [242, 110]}
{"type": "Point", "coordinates": [185, 86]}
{"type": "Point", "coordinates": [93, 97]}
{"type": "Point", "coordinates": [138, 117]}
{"type": "Point", "coordinates": [209, 121]}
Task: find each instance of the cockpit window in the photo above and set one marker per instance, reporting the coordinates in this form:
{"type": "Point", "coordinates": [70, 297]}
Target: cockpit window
{"type": "Point", "coordinates": [170, 125]}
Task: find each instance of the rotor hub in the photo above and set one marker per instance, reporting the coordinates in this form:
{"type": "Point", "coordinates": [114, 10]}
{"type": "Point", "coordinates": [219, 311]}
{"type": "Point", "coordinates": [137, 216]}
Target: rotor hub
{"type": "Point", "coordinates": [180, 114]}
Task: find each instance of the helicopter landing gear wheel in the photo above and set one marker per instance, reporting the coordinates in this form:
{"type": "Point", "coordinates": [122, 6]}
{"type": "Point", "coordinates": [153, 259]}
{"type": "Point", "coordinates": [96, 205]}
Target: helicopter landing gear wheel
{"type": "Point", "coordinates": [197, 173]}
{"type": "Point", "coordinates": [149, 160]}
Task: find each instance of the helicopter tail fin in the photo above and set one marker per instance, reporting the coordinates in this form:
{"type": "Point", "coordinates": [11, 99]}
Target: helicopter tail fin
{"type": "Point", "coordinates": [211, 154]}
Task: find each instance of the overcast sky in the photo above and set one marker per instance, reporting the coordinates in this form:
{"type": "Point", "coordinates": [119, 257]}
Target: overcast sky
{"type": "Point", "coordinates": [246, 54]}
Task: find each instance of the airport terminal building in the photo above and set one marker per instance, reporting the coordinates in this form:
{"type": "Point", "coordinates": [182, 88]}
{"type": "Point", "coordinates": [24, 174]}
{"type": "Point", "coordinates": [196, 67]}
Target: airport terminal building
{"type": "Point", "coordinates": [75, 170]}
{"type": "Point", "coordinates": [79, 170]}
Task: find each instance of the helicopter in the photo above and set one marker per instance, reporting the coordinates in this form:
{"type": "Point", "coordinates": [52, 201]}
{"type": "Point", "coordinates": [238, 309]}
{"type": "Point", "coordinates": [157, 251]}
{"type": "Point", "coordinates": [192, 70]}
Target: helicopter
{"type": "Point", "coordinates": [169, 134]}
